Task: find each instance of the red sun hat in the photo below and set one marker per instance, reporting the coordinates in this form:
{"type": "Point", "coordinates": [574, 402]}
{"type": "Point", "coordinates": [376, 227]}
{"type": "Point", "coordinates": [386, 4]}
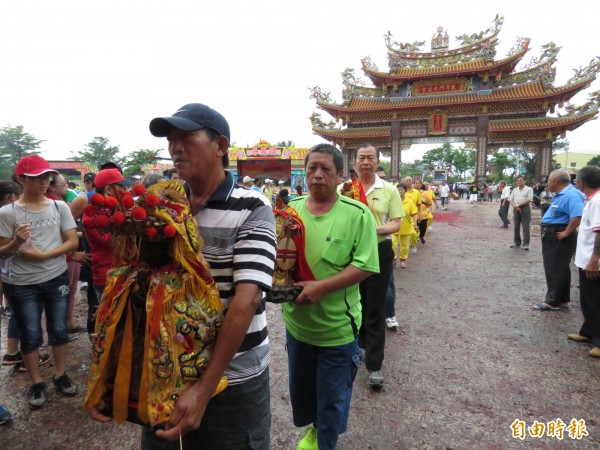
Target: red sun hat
{"type": "Point", "coordinates": [111, 176]}
{"type": "Point", "coordinates": [32, 166]}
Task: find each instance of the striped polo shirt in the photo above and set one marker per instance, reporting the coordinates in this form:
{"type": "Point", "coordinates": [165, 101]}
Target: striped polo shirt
{"type": "Point", "coordinates": [238, 230]}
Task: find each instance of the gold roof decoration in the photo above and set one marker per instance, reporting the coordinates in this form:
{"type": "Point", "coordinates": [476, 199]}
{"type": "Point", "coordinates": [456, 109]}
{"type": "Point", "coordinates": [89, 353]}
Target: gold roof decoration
{"type": "Point", "coordinates": [480, 45]}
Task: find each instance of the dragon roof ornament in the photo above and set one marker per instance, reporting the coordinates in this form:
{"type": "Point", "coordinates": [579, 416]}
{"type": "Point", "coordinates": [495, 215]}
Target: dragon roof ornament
{"type": "Point", "coordinates": [541, 67]}
{"type": "Point", "coordinates": [592, 103]}
{"type": "Point", "coordinates": [588, 71]}
{"type": "Point", "coordinates": [321, 97]}
{"type": "Point", "coordinates": [368, 64]}
{"type": "Point", "coordinates": [317, 122]}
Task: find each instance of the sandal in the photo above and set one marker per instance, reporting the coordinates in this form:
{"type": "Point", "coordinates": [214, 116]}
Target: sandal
{"type": "Point", "coordinates": [544, 307]}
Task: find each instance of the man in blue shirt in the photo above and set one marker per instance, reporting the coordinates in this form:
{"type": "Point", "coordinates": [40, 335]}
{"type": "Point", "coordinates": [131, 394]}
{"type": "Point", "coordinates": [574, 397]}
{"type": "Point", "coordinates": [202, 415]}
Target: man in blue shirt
{"type": "Point", "coordinates": [559, 239]}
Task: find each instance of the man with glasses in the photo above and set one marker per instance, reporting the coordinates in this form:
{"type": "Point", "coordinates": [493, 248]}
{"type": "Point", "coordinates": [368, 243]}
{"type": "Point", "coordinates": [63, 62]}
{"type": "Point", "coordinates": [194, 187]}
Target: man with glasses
{"type": "Point", "coordinates": [37, 232]}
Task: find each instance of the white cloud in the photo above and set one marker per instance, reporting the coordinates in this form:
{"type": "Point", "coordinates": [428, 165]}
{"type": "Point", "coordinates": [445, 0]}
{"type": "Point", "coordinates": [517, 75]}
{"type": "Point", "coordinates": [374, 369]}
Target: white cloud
{"type": "Point", "coordinates": [74, 70]}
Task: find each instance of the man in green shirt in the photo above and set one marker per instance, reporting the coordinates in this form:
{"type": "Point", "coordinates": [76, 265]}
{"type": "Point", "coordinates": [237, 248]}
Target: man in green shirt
{"type": "Point", "coordinates": [322, 326]}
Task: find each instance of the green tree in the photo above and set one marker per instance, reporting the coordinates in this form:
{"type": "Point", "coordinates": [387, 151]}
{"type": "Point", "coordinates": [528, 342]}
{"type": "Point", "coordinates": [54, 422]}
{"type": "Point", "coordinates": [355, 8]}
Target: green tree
{"type": "Point", "coordinates": [284, 144]}
{"type": "Point", "coordinates": [14, 144]}
{"type": "Point", "coordinates": [502, 162]}
{"type": "Point", "coordinates": [97, 152]}
{"type": "Point", "coordinates": [414, 169]}
{"type": "Point", "coordinates": [439, 157]}
{"type": "Point", "coordinates": [136, 160]}
{"type": "Point", "coordinates": [595, 161]}
{"type": "Point", "coordinates": [463, 161]}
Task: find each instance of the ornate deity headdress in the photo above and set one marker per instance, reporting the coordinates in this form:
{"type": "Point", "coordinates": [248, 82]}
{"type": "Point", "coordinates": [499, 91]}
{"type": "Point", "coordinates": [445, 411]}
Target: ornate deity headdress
{"type": "Point", "coordinates": [159, 277]}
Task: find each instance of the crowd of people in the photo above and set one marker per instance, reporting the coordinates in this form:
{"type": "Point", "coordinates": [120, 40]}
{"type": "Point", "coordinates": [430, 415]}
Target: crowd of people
{"type": "Point", "coordinates": [177, 289]}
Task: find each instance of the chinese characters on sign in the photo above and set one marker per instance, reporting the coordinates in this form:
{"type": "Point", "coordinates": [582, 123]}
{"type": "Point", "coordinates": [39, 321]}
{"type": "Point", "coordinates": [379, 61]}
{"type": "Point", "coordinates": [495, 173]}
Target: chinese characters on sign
{"type": "Point", "coordinates": [439, 86]}
{"type": "Point", "coordinates": [555, 428]}
{"type": "Point", "coordinates": [438, 123]}
{"type": "Point", "coordinates": [263, 151]}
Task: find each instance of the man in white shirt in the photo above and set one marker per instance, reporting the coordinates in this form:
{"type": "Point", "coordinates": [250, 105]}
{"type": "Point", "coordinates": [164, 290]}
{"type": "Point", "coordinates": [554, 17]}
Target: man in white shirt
{"type": "Point", "coordinates": [587, 258]}
{"type": "Point", "coordinates": [504, 203]}
{"type": "Point", "coordinates": [444, 192]}
{"type": "Point", "coordinates": [520, 199]}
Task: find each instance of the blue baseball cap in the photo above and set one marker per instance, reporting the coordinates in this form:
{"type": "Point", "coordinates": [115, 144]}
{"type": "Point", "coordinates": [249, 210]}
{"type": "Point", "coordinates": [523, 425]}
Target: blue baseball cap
{"type": "Point", "coordinates": [191, 117]}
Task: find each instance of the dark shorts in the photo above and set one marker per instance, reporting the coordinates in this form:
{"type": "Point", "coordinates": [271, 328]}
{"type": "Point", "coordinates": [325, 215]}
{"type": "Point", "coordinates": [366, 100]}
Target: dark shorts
{"type": "Point", "coordinates": [28, 302]}
{"type": "Point", "coordinates": [239, 418]}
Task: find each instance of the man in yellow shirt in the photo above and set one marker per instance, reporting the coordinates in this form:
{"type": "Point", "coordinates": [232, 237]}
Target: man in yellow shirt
{"type": "Point", "coordinates": [414, 195]}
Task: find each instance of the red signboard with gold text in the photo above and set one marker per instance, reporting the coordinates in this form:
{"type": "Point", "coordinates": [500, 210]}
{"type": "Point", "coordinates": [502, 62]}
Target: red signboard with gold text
{"type": "Point", "coordinates": [438, 122]}
{"type": "Point", "coordinates": [441, 86]}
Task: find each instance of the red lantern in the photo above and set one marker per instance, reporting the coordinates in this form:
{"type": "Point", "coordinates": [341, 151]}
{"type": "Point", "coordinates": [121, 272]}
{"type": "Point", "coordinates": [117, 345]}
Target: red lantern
{"type": "Point", "coordinates": [127, 200]}
{"type": "Point", "coordinates": [150, 232]}
{"type": "Point", "coordinates": [138, 189]}
{"type": "Point", "coordinates": [151, 200]}
{"type": "Point", "coordinates": [170, 231]}
{"type": "Point", "coordinates": [97, 199]}
{"type": "Point", "coordinates": [139, 213]}
{"type": "Point", "coordinates": [118, 218]}
{"type": "Point", "coordinates": [111, 202]}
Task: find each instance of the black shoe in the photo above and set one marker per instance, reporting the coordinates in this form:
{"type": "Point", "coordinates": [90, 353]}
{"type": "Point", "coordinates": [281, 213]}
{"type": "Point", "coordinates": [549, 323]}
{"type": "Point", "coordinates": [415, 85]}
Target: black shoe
{"type": "Point", "coordinates": [36, 396]}
{"type": "Point", "coordinates": [64, 385]}
{"type": "Point", "coordinates": [9, 360]}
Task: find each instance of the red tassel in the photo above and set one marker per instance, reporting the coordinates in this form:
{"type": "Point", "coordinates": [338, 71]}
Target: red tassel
{"type": "Point", "coordinates": [106, 301]}
{"type": "Point", "coordinates": [156, 313]}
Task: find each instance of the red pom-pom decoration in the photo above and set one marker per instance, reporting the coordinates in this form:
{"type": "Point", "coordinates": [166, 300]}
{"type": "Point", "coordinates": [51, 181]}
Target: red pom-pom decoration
{"type": "Point", "coordinates": [101, 220]}
{"type": "Point", "coordinates": [150, 232]}
{"type": "Point", "coordinates": [90, 210]}
{"type": "Point", "coordinates": [118, 218]}
{"type": "Point", "coordinates": [97, 199]}
{"type": "Point", "coordinates": [111, 202]}
{"type": "Point", "coordinates": [170, 231]}
{"type": "Point", "coordinates": [139, 213]}
{"type": "Point", "coordinates": [138, 189]}
{"type": "Point", "coordinates": [127, 200]}
{"type": "Point", "coordinates": [151, 200]}
{"type": "Point", "coordinates": [88, 222]}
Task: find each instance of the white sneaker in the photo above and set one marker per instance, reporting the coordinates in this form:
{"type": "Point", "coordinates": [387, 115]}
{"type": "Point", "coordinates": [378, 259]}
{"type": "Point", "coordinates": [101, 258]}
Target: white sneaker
{"type": "Point", "coordinates": [403, 265]}
{"type": "Point", "coordinates": [391, 322]}
{"type": "Point", "coordinates": [413, 249]}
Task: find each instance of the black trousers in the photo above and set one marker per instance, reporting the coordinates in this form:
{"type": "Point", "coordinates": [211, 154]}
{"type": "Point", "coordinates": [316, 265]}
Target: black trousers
{"type": "Point", "coordinates": [503, 211]}
{"type": "Point", "coordinates": [590, 308]}
{"type": "Point", "coordinates": [557, 256]}
{"type": "Point", "coordinates": [373, 294]}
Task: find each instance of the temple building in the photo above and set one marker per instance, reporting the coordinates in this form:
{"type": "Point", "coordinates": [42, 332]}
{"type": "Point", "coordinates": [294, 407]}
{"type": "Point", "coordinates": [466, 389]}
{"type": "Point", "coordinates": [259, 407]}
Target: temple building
{"type": "Point", "coordinates": [264, 160]}
{"type": "Point", "coordinates": [463, 94]}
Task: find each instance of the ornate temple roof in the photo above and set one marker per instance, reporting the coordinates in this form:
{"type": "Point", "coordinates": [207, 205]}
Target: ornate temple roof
{"type": "Point", "coordinates": [486, 67]}
{"type": "Point", "coordinates": [536, 91]}
{"type": "Point", "coordinates": [480, 45]}
{"type": "Point", "coordinates": [499, 130]}
{"type": "Point", "coordinates": [462, 84]}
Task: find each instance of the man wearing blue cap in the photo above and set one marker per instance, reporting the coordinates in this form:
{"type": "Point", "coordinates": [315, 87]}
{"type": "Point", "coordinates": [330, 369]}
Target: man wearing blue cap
{"type": "Point", "coordinates": [238, 230]}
